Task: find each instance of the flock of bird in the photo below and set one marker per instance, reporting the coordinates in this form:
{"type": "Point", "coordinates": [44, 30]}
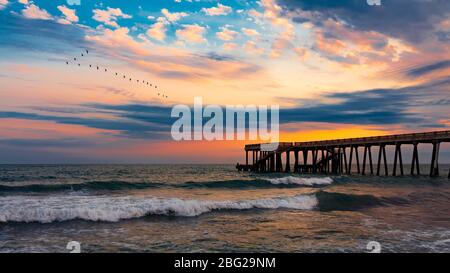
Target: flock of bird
{"type": "Point", "coordinates": [86, 52]}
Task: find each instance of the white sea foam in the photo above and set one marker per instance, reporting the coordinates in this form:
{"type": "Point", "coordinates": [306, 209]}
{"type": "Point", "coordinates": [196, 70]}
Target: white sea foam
{"type": "Point", "coordinates": [112, 209]}
{"type": "Point", "coordinates": [305, 181]}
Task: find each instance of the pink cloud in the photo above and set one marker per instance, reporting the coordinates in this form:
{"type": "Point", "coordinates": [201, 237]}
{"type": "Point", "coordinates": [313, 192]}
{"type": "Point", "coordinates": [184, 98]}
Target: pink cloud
{"type": "Point", "coordinates": [173, 17]}
{"type": "Point", "coordinates": [118, 39]}
{"type": "Point", "coordinates": [69, 15]}
{"type": "Point", "coordinates": [219, 10]}
{"type": "Point", "coordinates": [34, 12]}
{"type": "Point", "coordinates": [109, 16]}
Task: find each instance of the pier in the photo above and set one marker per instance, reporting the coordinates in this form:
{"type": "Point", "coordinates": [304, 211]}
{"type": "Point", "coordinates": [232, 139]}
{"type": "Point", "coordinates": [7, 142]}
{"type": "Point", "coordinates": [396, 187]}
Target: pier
{"type": "Point", "coordinates": [339, 156]}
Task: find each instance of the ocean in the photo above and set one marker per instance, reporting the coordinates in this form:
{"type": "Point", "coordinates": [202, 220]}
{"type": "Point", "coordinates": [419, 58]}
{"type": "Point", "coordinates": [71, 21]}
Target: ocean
{"type": "Point", "coordinates": [214, 208]}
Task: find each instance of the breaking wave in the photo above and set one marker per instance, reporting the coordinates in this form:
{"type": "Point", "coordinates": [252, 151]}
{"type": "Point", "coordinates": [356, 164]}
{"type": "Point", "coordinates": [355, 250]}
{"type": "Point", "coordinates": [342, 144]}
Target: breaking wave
{"type": "Point", "coordinates": [47, 209]}
{"type": "Point", "coordinates": [311, 181]}
{"type": "Point", "coordinates": [112, 209]}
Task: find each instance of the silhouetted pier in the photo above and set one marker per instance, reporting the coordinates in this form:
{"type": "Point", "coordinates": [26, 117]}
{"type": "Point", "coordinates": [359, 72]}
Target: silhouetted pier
{"type": "Point", "coordinates": [336, 156]}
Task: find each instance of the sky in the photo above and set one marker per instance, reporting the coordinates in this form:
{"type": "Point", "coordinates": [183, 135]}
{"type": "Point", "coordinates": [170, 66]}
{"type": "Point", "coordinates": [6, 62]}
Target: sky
{"type": "Point", "coordinates": [337, 69]}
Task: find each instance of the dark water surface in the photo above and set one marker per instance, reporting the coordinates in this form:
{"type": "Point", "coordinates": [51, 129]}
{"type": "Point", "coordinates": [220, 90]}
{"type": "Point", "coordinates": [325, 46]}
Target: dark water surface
{"type": "Point", "coordinates": [214, 208]}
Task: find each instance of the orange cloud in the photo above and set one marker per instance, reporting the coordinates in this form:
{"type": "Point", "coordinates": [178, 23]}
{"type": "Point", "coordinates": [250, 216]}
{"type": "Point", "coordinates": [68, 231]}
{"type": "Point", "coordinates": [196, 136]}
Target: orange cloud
{"type": "Point", "coordinates": [158, 30]}
{"type": "Point", "coordinates": [226, 34]}
{"type": "Point", "coordinates": [191, 34]}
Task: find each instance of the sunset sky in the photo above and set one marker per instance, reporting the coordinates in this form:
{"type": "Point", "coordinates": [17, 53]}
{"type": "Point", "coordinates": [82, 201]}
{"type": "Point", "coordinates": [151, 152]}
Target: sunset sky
{"type": "Point", "coordinates": [336, 68]}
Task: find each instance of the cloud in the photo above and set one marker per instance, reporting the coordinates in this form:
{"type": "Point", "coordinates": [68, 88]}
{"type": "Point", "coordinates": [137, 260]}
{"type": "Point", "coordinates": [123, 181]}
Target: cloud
{"type": "Point", "coordinates": [251, 48]}
{"type": "Point", "coordinates": [229, 46]}
{"type": "Point", "coordinates": [118, 39]}
{"type": "Point", "coordinates": [149, 125]}
{"type": "Point", "coordinates": [255, 14]}
{"type": "Point", "coordinates": [336, 41]}
{"type": "Point", "coordinates": [69, 15]}
{"type": "Point", "coordinates": [413, 106]}
{"type": "Point", "coordinates": [410, 20]}
{"type": "Point", "coordinates": [169, 62]}
{"type": "Point", "coordinates": [109, 16]}
{"type": "Point", "coordinates": [428, 68]}
{"type": "Point", "coordinates": [34, 12]}
{"type": "Point", "coordinates": [41, 36]}
{"type": "Point", "coordinates": [48, 36]}
{"type": "Point", "coordinates": [158, 30]}
{"type": "Point", "coordinates": [49, 143]}
{"type": "Point", "coordinates": [191, 33]}
{"type": "Point", "coordinates": [250, 32]}
{"type": "Point", "coordinates": [226, 34]}
{"type": "Point", "coordinates": [219, 10]}
{"type": "Point", "coordinates": [3, 4]}
{"type": "Point", "coordinates": [273, 13]}
{"type": "Point", "coordinates": [173, 17]}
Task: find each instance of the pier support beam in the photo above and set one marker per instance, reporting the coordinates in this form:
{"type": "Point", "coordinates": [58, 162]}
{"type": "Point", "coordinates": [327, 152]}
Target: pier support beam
{"type": "Point", "coordinates": [357, 159]}
{"type": "Point", "coordinates": [288, 162]}
{"type": "Point", "coordinates": [382, 153]}
{"type": "Point", "coordinates": [434, 168]}
{"type": "Point", "coordinates": [314, 160]}
{"type": "Point", "coordinates": [349, 170]}
{"type": "Point", "coordinates": [344, 149]}
{"type": "Point", "coordinates": [386, 171]}
{"type": "Point", "coordinates": [272, 162]}
{"type": "Point", "coordinates": [341, 160]}
{"type": "Point", "coordinates": [296, 161]}
{"type": "Point", "coordinates": [415, 160]}
{"type": "Point", "coordinates": [279, 163]}
{"type": "Point", "coordinates": [246, 158]}
{"type": "Point", "coordinates": [305, 160]}
{"type": "Point", "coordinates": [370, 159]}
{"type": "Point", "coordinates": [335, 161]}
{"type": "Point", "coordinates": [364, 160]}
{"type": "Point", "coordinates": [398, 155]}
{"type": "Point", "coordinates": [323, 159]}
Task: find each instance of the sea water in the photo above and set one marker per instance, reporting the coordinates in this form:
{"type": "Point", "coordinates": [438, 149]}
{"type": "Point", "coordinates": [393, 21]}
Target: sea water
{"type": "Point", "coordinates": [214, 208]}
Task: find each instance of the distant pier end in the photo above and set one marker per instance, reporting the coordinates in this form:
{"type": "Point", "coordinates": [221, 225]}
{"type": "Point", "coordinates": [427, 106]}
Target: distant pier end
{"type": "Point", "coordinates": [336, 156]}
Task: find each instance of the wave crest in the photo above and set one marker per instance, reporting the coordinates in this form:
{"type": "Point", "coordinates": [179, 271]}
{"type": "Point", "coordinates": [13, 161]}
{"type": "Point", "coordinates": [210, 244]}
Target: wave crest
{"type": "Point", "coordinates": [304, 181]}
{"type": "Point", "coordinates": [112, 209]}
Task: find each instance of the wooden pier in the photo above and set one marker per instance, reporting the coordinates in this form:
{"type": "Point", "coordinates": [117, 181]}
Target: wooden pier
{"type": "Point", "coordinates": [337, 156]}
